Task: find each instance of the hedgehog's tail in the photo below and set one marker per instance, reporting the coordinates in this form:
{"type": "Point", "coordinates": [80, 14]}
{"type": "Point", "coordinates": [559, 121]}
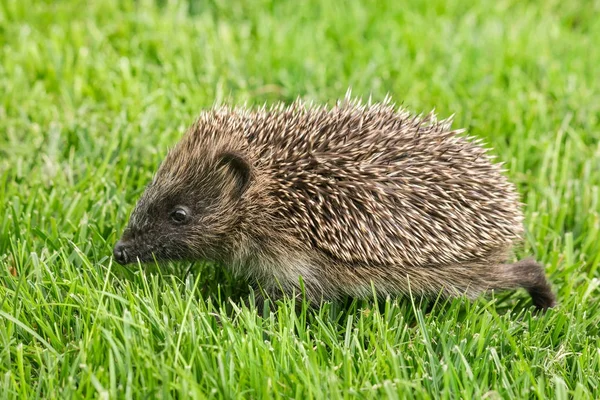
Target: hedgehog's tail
{"type": "Point", "coordinates": [529, 275]}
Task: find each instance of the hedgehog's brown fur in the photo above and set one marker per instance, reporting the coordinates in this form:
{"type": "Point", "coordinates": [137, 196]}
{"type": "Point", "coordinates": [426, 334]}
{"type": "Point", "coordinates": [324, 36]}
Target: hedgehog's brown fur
{"type": "Point", "coordinates": [346, 198]}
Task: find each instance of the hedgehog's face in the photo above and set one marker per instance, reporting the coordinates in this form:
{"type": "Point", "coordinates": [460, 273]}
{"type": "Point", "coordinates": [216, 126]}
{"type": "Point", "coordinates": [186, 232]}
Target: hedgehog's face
{"type": "Point", "coordinates": [191, 211]}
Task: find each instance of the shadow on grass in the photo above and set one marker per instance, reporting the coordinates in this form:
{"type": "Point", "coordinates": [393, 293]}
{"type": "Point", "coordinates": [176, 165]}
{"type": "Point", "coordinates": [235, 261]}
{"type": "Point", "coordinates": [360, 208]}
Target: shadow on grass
{"type": "Point", "coordinates": [229, 295]}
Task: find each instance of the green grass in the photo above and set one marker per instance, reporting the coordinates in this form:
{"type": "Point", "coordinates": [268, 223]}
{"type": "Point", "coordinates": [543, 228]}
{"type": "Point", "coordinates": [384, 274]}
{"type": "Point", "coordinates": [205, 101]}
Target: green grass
{"type": "Point", "coordinates": [91, 97]}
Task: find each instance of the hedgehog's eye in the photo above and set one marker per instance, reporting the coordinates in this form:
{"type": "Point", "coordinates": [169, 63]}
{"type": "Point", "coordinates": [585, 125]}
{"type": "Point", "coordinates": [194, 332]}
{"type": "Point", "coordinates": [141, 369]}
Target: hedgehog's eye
{"type": "Point", "coordinates": [179, 215]}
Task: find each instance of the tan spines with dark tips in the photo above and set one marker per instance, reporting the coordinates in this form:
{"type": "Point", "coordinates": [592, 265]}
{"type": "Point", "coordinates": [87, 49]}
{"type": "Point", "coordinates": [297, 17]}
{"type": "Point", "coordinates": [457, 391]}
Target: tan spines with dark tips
{"type": "Point", "coordinates": [374, 185]}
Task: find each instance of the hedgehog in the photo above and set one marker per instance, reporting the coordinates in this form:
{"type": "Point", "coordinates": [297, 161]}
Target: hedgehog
{"type": "Point", "coordinates": [334, 202]}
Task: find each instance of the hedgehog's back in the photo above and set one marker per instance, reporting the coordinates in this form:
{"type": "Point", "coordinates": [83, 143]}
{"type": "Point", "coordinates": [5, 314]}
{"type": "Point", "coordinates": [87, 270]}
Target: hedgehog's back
{"type": "Point", "coordinates": [368, 184]}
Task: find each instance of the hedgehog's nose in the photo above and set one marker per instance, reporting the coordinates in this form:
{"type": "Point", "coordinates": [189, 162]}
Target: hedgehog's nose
{"type": "Point", "coordinates": [120, 253]}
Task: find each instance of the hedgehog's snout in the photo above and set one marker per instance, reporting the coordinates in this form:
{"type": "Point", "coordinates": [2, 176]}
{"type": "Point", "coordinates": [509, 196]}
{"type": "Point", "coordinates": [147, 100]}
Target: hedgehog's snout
{"type": "Point", "coordinates": [120, 252]}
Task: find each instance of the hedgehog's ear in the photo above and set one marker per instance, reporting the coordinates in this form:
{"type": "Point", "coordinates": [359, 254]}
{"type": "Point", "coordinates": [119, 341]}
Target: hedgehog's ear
{"type": "Point", "coordinates": [240, 168]}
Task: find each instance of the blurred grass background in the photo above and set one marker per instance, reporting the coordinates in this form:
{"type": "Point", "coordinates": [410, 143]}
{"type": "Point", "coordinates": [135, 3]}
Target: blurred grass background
{"type": "Point", "coordinates": [93, 93]}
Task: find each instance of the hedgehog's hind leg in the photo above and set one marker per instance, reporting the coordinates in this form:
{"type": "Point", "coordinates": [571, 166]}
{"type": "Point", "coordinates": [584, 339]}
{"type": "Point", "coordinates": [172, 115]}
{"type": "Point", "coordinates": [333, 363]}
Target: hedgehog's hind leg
{"type": "Point", "coordinates": [530, 275]}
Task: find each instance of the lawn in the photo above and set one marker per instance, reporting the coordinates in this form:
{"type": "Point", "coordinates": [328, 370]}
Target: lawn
{"type": "Point", "coordinates": [92, 94]}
